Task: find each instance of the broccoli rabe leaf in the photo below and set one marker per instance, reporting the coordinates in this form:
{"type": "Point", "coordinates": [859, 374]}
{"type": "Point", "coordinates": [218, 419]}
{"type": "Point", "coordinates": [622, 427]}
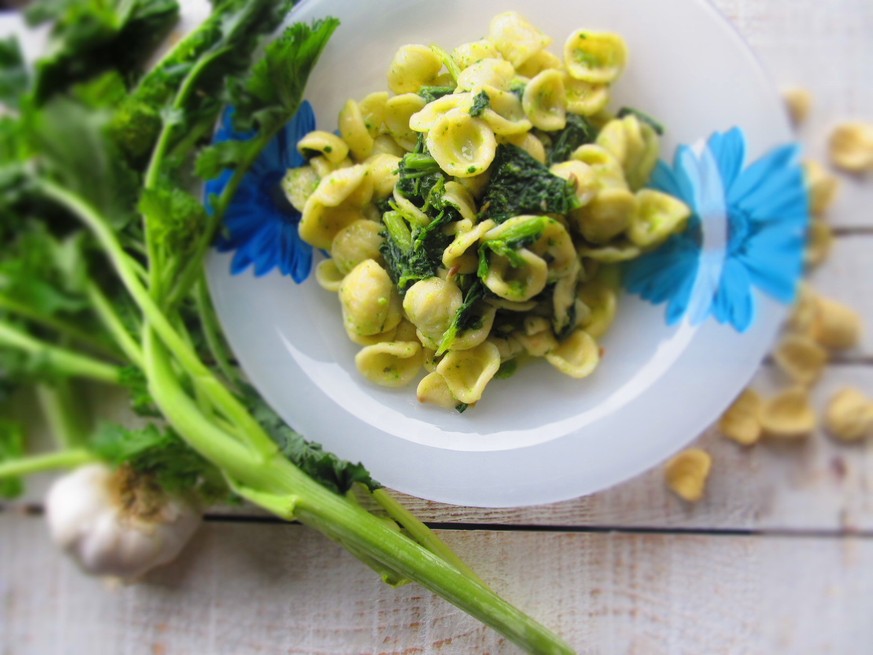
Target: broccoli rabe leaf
{"type": "Point", "coordinates": [431, 93]}
{"type": "Point", "coordinates": [89, 37]}
{"type": "Point", "coordinates": [177, 217]}
{"type": "Point", "coordinates": [521, 185]}
{"type": "Point", "coordinates": [413, 254]}
{"type": "Point", "coordinates": [13, 76]}
{"type": "Point", "coordinates": [161, 453]}
{"type": "Point", "coordinates": [271, 92]}
{"type": "Point", "coordinates": [329, 470]}
{"type": "Point", "coordinates": [578, 131]}
{"type": "Point", "coordinates": [76, 151]}
{"type": "Point", "coordinates": [468, 316]}
{"type": "Point", "coordinates": [481, 102]}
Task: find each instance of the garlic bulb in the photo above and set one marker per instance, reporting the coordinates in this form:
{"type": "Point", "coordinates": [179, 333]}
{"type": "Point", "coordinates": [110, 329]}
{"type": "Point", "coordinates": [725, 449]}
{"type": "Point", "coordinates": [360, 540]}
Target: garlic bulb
{"type": "Point", "coordinates": [117, 523]}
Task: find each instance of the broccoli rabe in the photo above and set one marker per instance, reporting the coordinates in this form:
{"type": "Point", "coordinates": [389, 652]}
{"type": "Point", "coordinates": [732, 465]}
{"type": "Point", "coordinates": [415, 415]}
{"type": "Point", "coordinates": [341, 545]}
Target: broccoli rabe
{"type": "Point", "coordinates": [481, 102]}
{"type": "Point", "coordinates": [521, 185]}
{"type": "Point", "coordinates": [577, 132]}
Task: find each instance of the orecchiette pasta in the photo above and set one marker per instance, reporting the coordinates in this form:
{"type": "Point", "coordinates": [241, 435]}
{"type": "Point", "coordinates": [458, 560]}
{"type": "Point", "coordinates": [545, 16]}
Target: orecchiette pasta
{"type": "Point", "coordinates": [473, 214]}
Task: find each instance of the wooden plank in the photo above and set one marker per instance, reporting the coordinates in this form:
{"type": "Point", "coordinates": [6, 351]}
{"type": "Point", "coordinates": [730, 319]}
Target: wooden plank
{"type": "Point", "coordinates": [267, 589]}
{"type": "Point", "coordinates": [826, 48]}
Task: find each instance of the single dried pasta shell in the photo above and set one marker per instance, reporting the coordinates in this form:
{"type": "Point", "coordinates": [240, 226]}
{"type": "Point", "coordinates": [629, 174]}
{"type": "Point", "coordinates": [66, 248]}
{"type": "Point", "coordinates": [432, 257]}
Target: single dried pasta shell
{"type": "Point", "coordinates": [433, 389]}
{"type": "Point", "coordinates": [851, 146]}
{"type": "Point", "coordinates": [803, 312]}
{"type": "Point", "coordinates": [788, 415]}
{"type": "Point", "coordinates": [798, 102]}
{"type": "Point", "coordinates": [687, 474]}
{"type": "Point", "coordinates": [391, 363]}
{"type": "Point", "coordinates": [597, 57]}
{"type": "Point", "coordinates": [849, 415]}
{"type": "Point", "coordinates": [821, 185]}
{"type": "Point", "coordinates": [467, 372]}
{"type": "Point", "coordinates": [577, 355]}
{"type": "Point", "coordinates": [835, 326]}
{"type": "Point", "coordinates": [801, 358]}
{"type": "Point", "coordinates": [820, 241]}
{"type": "Point", "coordinates": [740, 421]}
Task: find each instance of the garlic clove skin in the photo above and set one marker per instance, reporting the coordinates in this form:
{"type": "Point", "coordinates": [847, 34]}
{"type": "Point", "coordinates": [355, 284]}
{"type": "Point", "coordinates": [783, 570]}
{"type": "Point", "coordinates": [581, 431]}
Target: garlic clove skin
{"type": "Point", "coordinates": [87, 520]}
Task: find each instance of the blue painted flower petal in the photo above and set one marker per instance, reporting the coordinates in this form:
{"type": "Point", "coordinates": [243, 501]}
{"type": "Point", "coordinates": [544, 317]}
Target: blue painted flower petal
{"type": "Point", "coordinates": [258, 225]}
{"type": "Point", "coordinates": [734, 303]}
{"type": "Point", "coordinates": [764, 176]}
{"type": "Point", "coordinates": [774, 261]}
{"type": "Point", "coordinates": [729, 150]}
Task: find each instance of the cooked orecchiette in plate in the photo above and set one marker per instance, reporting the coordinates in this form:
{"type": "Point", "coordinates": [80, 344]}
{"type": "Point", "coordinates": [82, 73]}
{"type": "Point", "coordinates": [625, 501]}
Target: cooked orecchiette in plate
{"type": "Point", "coordinates": [475, 213]}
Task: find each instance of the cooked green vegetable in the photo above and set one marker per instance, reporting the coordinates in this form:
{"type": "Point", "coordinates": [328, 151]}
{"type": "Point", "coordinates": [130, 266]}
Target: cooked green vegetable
{"type": "Point", "coordinates": [521, 185]}
{"type": "Point", "coordinates": [101, 276]}
{"type": "Point", "coordinates": [481, 102]}
{"type": "Point", "coordinates": [577, 132]}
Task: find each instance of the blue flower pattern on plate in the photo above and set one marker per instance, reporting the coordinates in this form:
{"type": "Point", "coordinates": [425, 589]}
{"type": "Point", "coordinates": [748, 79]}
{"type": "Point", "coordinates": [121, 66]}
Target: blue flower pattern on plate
{"type": "Point", "coordinates": [747, 230]}
{"type": "Point", "coordinates": [260, 225]}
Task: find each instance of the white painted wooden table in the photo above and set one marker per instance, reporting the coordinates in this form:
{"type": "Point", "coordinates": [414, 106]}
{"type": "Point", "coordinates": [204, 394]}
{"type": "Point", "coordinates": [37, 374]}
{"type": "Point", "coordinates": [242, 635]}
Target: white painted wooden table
{"type": "Point", "coordinates": [778, 558]}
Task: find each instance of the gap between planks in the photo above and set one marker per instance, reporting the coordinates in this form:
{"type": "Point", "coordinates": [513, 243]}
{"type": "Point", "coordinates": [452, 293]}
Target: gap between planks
{"type": "Point", "coordinates": [36, 510]}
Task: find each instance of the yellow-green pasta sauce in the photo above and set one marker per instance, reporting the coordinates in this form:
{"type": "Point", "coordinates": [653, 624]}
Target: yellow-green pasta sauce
{"type": "Point", "coordinates": [475, 211]}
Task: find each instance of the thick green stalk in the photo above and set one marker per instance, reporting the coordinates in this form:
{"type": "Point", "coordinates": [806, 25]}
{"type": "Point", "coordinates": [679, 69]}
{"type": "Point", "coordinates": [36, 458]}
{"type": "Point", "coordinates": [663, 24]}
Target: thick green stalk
{"type": "Point", "coordinates": [60, 359]}
{"type": "Point", "coordinates": [60, 459]}
{"type": "Point", "coordinates": [280, 487]}
{"type": "Point", "coordinates": [114, 326]}
{"type": "Point", "coordinates": [200, 375]}
{"type": "Point", "coordinates": [366, 534]}
{"type": "Point", "coordinates": [64, 328]}
{"type": "Point", "coordinates": [211, 332]}
{"type": "Point", "coordinates": [421, 533]}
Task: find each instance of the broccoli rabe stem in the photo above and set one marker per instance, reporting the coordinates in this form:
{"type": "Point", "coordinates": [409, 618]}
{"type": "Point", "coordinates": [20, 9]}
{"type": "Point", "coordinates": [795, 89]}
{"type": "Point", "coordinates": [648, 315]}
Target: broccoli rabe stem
{"type": "Point", "coordinates": [277, 485]}
{"type": "Point", "coordinates": [59, 459]}
{"type": "Point", "coordinates": [59, 359]}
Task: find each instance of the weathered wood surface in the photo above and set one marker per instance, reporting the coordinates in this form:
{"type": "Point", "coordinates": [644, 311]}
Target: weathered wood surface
{"type": "Point", "coordinates": [283, 589]}
{"type": "Point", "coordinates": [673, 579]}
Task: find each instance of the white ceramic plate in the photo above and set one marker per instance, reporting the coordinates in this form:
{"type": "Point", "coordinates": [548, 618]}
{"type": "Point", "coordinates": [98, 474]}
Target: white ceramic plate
{"type": "Point", "coordinates": [537, 437]}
